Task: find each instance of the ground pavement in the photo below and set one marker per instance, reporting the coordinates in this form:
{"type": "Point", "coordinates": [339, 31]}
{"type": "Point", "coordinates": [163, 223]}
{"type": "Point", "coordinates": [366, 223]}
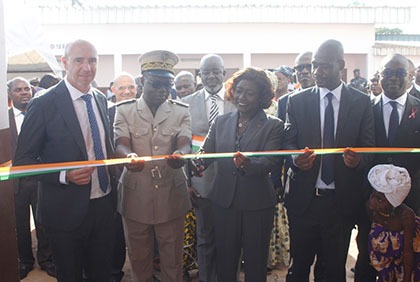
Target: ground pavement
{"type": "Point", "coordinates": [277, 275]}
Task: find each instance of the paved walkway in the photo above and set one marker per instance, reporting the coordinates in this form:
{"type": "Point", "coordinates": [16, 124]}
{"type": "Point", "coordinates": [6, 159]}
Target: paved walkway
{"type": "Point", "coordinates": [38, 275]}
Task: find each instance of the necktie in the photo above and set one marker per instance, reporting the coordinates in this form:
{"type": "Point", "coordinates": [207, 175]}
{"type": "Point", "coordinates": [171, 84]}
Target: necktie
{"type": "Point", "coordinates": [327, 170]}
{"type": "Point", "coordinates": [394, 121]}
{"type": "Point", "coordinates": [214, 109]}
{"type": "Point", "coordinates": [96, 138]}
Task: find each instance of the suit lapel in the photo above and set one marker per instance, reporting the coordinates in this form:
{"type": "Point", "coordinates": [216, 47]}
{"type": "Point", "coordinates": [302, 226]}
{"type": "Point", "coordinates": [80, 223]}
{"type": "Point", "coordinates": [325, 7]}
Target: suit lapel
{"type": "Point", "coordinates": [12, 124]}
{"type": "Point", "coordinates": [253, 129]}
{"type": "Point", "coordinates": [202, 104]}
{"type": "Point", "coordinates": [103, 112]}
{"type": "Point", "coordinates": [229, 132]}
{"type": "Point", "coordinates": [343, 113]}
{"type": "Point", "coordinates": [408, 118]}
{"type": "Point", "coordinates": [313, 115]}
{"type": "Point", "coordinates": [64, 104]}
{"type": "Point", "coordinates": [380, 132]}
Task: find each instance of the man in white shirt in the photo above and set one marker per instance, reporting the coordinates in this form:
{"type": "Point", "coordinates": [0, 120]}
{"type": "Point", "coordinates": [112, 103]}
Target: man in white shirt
{"type": "Point", "coordinates": [26, 190]}
{"type": "Point", "coordinates": [70, 123]}
{"type": "Point", "coordinates": [394, 81]}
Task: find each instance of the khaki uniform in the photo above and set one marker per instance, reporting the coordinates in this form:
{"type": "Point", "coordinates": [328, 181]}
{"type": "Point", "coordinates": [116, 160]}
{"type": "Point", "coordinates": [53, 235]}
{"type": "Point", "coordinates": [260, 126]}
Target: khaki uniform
{"type": "Point", "coordinates": [158, 193]}
{"type": "Point", "coordinates": [154, 201]}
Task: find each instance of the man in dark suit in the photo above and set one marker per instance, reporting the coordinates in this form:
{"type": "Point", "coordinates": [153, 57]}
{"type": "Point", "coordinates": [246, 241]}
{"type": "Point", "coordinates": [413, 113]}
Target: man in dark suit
{"type": "Point", "coordinates": [304, 76]}
{"type": "Point", "coordinates": [25, 196]}
{"type": "Point", "coordinates": [411, 89]}
{"type": "Point", "coordinates": [415, 89]}
{"type": "Point", "coordinates": [394, 80]}
{"type": "Point", "coordinates": [324, 197]}
{"type": "Point", "coordinates": [69, 123]}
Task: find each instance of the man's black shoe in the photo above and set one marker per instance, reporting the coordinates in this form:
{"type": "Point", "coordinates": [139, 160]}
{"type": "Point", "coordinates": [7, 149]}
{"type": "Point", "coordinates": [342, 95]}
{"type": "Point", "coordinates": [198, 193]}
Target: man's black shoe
{"type": "Point", "coordinates": [49, 267]}
{"type": "Point", "coordinates": [24, 270]}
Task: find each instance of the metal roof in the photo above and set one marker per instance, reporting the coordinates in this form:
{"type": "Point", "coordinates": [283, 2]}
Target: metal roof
{"type": "Point", "coordinates": [216, 11]}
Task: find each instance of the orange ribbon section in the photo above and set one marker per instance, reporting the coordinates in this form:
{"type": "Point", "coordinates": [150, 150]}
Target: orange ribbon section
{"type": "Point", "coordinates": [9, 172]}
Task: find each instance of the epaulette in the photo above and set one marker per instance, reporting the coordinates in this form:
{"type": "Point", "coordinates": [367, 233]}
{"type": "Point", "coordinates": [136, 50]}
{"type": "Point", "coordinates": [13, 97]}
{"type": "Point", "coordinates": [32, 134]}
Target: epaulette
{"type": "Point", "coordinates": [179, 103]}
{"type": "Point", "coordinates": [129, 101]}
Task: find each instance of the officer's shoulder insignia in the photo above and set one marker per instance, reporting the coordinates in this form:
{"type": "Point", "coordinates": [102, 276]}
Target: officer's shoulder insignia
{"type": "Point", "coordinates": [129, 101]}
{"type": "Point", "coordinates": [179, 103]}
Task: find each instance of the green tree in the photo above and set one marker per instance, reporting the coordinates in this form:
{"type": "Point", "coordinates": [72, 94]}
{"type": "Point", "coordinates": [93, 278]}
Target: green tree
{"type": "Point", "coordinates": [388, 31]}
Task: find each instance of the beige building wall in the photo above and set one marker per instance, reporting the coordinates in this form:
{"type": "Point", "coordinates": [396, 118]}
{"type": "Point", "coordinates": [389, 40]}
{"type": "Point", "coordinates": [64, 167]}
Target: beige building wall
{"type": "Point", "coordinates": [266, 45]}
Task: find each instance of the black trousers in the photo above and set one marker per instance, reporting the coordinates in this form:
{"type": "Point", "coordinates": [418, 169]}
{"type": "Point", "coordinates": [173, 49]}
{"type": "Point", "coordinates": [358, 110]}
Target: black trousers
{"type": "Point", "coordinates": [119, 248]}
{"type": "Point", "coordinates": [364, 272]}
{"type": "Point", "coordinates": [249, 230]}
{"type": "Point", "coordinates": [320, 228]}
{"type": "Point", "coordinates": [25, 199]}
{"type": "Point", "coordinates": [87, 250]}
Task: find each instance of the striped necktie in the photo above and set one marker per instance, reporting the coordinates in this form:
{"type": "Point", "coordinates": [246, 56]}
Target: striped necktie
{"type": "Point", "coordinates": [214, 109]}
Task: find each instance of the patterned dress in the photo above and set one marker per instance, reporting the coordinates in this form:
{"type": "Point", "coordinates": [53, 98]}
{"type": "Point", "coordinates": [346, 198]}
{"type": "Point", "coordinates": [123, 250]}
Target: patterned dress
{"type": "Point", "coordinates": [279, 251]}
{"type": "Point", "coordinates": [386, 252]}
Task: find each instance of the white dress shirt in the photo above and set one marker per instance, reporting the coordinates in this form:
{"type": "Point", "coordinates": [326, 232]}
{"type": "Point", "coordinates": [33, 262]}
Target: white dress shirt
{"type": "Point", "coordinates": [82, 116]}
{"type": "Point", "coordinates": [19, 116]}
{"type": "Point", "coordinates": [220, 101]}
{"type": "Point", "coordinates": [387, 108]}
{"type": "Point", "coordinates": [323, 102]}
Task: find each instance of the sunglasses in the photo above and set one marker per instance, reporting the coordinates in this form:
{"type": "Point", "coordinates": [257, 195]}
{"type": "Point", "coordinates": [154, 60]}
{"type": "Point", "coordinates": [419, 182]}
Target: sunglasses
{"type": "Point", "coordinates": [300, 68]}
{"type": "Point", "coordinates": [400, 73]}
{"type": "Point", "coordinates": [160, 84]}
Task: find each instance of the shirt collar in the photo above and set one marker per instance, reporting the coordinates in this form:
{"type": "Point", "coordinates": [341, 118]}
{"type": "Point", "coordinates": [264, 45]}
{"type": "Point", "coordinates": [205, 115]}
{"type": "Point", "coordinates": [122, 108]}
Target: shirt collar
{"type": "Point", "coordinates": [400, 100]}
{"type": "Point", "coordinates": [220, 95]}
{"type": "Point", "coordinates": [17, 112]}
{"type": "Point", "coordinates": [75, 93]}
{"type": "Point", "coordinates": [336, 92]}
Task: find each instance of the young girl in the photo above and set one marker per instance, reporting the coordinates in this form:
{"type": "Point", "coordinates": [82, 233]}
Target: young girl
{"type": "Point", "coordinates": [394, 239]}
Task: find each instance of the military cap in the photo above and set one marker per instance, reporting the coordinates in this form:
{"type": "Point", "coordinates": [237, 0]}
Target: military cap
{"type": "Point", "coordinates": [159, 62]}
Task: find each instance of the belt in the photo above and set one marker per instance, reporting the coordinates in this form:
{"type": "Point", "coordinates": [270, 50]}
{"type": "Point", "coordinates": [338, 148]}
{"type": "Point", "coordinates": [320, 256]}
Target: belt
{"type": "Point", "coordinates": [324, 192]}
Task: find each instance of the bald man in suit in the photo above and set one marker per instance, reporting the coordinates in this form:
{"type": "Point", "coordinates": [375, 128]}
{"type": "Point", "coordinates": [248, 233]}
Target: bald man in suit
{"type": "Point", "coordinates": [70, 123]}
{"type": "Point", "coordinates": [324, 198]}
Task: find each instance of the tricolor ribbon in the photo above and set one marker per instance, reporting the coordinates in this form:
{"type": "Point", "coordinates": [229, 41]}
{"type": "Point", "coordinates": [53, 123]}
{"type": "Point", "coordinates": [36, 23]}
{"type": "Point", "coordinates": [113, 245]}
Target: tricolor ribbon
{"type": "Point", "coordinates": [11, 172]}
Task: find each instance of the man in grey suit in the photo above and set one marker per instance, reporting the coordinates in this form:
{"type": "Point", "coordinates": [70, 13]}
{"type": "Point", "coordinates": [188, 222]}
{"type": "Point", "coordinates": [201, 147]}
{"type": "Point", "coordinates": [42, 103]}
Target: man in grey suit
{"type": "Point", "coordinates": [212, 74]}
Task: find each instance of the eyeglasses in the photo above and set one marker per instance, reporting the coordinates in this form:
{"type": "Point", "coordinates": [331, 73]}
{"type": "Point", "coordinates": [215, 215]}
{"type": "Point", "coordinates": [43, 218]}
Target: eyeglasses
{"type": "Point", "coordinates": [400, 73]}
{"type": "Point", "coordinates": [160, 84]}
{"type": "Point", "coordinates": [300, 68]}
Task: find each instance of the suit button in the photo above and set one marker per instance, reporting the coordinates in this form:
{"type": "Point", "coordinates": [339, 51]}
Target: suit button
{"type": "Point", "coordinates": [156, 148]}
{"type": "Point", "coordinates": [234, 173]}
{"type": "Point", "coordinates": [156, 186]}
{"type": "Point", "coordinates": [389, 159]}
{"type": "Point", "coordinates": [154, 129]}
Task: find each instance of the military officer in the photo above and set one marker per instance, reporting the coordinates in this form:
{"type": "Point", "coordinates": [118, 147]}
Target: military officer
{"type": "Point", "coordinates": [153, 194]}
